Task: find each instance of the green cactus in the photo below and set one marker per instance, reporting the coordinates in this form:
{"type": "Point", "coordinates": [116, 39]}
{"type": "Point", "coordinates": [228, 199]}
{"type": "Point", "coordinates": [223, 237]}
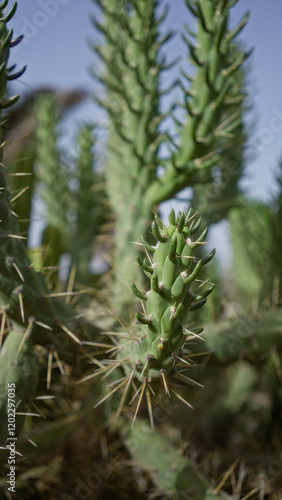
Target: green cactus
{"type": "Point", "coordinates": [238, 412]}
{"type": "Point", "coordinates": [29, 310]}
{"type": "Point", "coordinates": [156, 348]}
{"type": "Point", "coordinates": [132, 81]}
{"type": "Point", "coordinates": [53, 177]}
{"type": "Point", "coordinates": [134, 66]}
{"type": "Point", "coordinates": [174, 292]}
{"type": "Point", "coordinates": [251, 232]}
{"type": "Point", "coordinates": [90, 203]}
{"type": "Point", "coordinates": [252, 336]}
{"type": "Point", "coordinates": [208, 102]}
{"type": "Point", "coordinates": [172, 473]}
{"type": "Point", "coordinates": [215, 198]}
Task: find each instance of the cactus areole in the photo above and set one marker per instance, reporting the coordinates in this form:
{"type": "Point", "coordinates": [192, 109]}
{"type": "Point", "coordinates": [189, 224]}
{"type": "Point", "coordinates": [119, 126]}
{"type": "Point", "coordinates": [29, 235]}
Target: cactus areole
{"type": "Point", "coordinates": [175, 290]}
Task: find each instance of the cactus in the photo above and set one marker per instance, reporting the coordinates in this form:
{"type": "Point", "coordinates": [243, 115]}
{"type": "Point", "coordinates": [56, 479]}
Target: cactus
{"type": "Point", "coordinates": [53, 177]}
{"type": "Point", "coordinates": [150, 360]}
{"type": "Point", "coordinates": [20, 155]}
{"type": "Point", "coordinates": [215, 198]}
{"type": "Point", "coordinates": [250, 250]}
{"type": "Point", "coordinates": [29, 310]}
{"type": "Point", "coordinates": [156, 348]}
{"type": "Point", "coordinates": [132, 79]}
{"type": "Point", "coordinates": [90, 203]}
{"type": "Point", "coordinates": [73, 217]}
{"type": "Point", "coordinates": [172, 473]}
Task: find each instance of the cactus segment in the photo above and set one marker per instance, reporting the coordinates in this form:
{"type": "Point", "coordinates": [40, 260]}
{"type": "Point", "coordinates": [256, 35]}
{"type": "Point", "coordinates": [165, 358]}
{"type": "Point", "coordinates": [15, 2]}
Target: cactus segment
{"type": "Point", "coordinates": [205, 98]}
{"type": "Point", "coordinates": [152, 352]}
{"type": "Point", "coordinates": [175, 482]}
{"type": "Point", "coordinates": [173, 293]}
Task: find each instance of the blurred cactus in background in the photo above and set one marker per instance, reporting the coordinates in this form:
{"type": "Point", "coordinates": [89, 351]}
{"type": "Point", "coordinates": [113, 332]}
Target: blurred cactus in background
{"type": "Point", "coordinates": [114, 399]}
{"type": "Point", "coordinates": [134, 66]}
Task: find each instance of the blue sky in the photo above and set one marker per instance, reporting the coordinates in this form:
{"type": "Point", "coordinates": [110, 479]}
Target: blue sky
{"type": "Point", "coordinates": [56, 52]}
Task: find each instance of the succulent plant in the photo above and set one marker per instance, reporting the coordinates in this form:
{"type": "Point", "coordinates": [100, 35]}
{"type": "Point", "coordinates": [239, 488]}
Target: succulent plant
{"type": "Point", "coordinates": [155, 350]}
{"type": "Point", "coordinates": [30, 314]}
{"type": "Point", "coordinates": [149, 360]}
{"type": "Point", "coordinates": [138, 179]}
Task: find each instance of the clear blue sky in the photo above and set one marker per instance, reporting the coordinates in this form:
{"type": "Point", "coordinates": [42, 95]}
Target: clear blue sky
{"type": "Point", "coordinates": [56, 52]}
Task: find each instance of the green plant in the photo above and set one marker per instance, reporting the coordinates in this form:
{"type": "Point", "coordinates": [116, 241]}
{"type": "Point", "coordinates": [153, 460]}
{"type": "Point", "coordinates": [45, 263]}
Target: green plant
{"type": "Point", "coordinates": [155, 349]}
{"type": "Point", "coordinates": [133, 67]}
{"type": "Point", "coordinates": [29, 310]}
{"type": "Point", "coordinates": [75, 206]}
{"type": "Point", "coordinates": [52, 341]}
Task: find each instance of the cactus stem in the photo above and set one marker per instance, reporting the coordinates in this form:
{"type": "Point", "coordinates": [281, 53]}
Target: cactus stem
{"type": "Point", "coordinates": [155, 350]}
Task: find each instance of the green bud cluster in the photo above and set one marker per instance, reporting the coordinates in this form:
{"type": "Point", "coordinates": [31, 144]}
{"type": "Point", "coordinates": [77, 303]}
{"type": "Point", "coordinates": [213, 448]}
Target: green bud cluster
{"type": "Point", "coordinates": [173, 270]}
